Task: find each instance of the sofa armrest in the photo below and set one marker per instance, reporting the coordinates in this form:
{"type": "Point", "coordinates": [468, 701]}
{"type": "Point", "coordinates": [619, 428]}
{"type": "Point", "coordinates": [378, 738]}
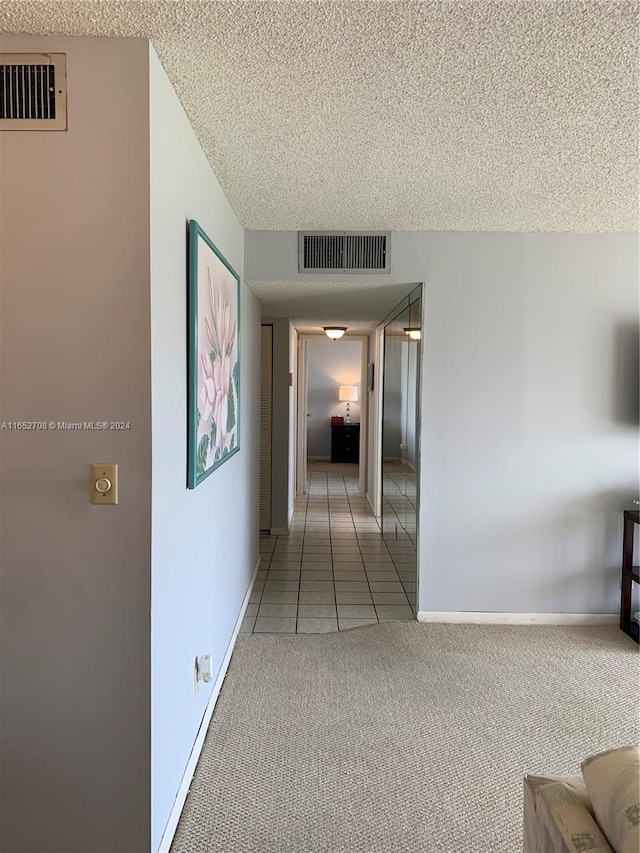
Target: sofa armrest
{"type": "Point", "coordinates": [557, 817]}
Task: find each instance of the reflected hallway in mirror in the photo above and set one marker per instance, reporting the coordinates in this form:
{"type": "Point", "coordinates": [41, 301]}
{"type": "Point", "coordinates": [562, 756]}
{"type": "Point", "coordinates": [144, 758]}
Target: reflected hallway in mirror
{"type": "Point", "coordinates": [400, 431]}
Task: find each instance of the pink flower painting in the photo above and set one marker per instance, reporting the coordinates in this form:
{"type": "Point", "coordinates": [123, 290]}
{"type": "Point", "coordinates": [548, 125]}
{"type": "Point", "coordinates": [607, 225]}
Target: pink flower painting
{"type": "Point", "coordinates": [216, 362]}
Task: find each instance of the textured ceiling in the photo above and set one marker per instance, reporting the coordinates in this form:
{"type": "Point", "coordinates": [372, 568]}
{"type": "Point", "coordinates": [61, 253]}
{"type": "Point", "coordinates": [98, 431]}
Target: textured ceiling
{"type": "Point", "coordinates": [471, 115]}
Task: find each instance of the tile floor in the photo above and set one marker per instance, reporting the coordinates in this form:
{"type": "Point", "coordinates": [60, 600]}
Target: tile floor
{"type": "Point", "coordinates": [334, 571]}
{"type": "Point", "coordinates": [399, 498]}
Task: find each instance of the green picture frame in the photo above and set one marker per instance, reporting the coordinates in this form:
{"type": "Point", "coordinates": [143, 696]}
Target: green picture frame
{"type": "Point", "coordinates": [213, 358]}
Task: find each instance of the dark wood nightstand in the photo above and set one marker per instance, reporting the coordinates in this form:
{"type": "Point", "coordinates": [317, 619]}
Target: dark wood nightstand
{"type": "Point", "coordinates": [345, 442]}
{"type": "Point", "coordinates": [630, 575]}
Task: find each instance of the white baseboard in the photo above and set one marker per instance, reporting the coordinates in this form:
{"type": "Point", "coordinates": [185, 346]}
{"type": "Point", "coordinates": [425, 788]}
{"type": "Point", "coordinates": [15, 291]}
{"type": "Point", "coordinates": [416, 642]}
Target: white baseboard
{"type": "Point", "coordinates": [183, 790]}
{"type": "Point", "coordinates": [471, 617]}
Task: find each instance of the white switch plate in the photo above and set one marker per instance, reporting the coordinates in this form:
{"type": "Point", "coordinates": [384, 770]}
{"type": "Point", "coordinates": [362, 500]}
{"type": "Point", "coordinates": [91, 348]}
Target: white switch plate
{"type": "Point", "coordinates": [205, 668]}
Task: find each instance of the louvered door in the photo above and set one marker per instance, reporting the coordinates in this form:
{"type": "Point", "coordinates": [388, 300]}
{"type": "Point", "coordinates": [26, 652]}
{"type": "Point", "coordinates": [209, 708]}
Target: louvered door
{"type": "Point", "coordinates": [266, 382]}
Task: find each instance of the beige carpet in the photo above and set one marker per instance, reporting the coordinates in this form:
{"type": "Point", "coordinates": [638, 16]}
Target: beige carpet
{"type": "Point", "coordinates": [401, 737]}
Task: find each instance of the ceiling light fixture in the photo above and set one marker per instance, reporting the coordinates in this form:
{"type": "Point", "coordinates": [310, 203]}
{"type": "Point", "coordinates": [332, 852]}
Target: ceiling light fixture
{"type": "Point", "coordinates": [334, 332]}
{"type": "Point", "coordinates": [413, 332]}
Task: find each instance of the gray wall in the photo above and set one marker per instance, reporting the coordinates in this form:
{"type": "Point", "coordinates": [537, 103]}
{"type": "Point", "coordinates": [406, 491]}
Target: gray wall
{"type": "Point", "coordinates": [329, 365]}
{"type": "Point", "coordinates": [529, 434]}
{"type": "Point", "coordinates": [527, 360]}
{"type": "Point", "coordinates": [76, 586]}
{"type": "Point", "coordinates": [205, 541]}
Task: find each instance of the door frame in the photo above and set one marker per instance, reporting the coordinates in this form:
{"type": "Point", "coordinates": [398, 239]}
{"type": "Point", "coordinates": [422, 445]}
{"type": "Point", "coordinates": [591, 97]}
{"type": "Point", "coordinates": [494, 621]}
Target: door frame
{"type": "Point", "coordinates": [269, 444]}
{"type": "Point", "coordinates": [301, 409]}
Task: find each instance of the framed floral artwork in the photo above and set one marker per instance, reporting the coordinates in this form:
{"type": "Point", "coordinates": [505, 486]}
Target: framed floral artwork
{"type": "Point", "coordinates": [214, 358]}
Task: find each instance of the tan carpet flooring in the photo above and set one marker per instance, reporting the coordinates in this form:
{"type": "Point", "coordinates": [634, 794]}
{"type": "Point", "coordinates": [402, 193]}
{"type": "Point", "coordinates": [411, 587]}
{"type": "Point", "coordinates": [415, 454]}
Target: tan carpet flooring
{"type": "Point", "coordinates": [402, 737]}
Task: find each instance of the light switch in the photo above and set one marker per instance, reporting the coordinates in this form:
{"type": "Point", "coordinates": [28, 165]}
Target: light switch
{"type": "Point", "coordinates": [104, 483]}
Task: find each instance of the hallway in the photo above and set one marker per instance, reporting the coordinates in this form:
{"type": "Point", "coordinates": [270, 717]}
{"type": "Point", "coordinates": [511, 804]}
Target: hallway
{"type": "Point", "coordinates": [334, 571]}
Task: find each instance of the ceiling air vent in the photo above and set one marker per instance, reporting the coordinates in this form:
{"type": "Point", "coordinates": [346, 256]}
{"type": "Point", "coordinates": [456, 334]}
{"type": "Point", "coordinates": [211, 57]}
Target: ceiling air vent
{"type": "Point", "coordinates": [344, 252]}
{"type": "Point", "coordinates": [33, 91]}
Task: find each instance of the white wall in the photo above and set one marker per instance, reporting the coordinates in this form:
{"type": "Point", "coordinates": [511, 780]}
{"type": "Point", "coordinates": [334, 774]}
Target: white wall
{"type": "Point", "coordinates": [204, 541]}
{"type": "Point", "coordinates": [76, 586]}
{"type": "Point", "coordinates": [529, 439]}
{"type": "Point", "coordinates": [528, 455]}
{"type": "Point", "coordinates": [330, 364]}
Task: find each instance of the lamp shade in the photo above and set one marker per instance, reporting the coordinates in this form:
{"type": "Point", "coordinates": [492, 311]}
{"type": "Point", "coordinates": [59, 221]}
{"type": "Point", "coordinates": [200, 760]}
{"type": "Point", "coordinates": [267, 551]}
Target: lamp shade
{"type": "Point", "coordinates": [348, 394]}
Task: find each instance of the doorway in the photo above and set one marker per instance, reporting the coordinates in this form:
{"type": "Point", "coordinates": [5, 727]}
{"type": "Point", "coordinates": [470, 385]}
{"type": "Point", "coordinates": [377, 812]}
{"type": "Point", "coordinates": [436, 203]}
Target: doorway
{"type": "Point", "coordinates": [266, 424]}
{"type": "Point", "coordinates": [332, 384]}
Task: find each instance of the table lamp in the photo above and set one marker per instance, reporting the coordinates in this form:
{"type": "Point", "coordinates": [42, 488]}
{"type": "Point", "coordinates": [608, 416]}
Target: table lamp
{"type": "Point", "coordinates": [348, 394]}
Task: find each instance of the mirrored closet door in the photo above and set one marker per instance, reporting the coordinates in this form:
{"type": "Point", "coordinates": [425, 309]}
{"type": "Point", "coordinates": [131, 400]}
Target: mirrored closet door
{"type": "Point", "coordinates": [400, 430]}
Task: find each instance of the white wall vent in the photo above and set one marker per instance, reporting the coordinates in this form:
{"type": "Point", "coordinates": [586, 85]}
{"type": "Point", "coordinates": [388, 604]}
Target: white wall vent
{"type": "Point", "coordinates": [33, 91]}
{"type": "Point", "coordinates": [344, 252]}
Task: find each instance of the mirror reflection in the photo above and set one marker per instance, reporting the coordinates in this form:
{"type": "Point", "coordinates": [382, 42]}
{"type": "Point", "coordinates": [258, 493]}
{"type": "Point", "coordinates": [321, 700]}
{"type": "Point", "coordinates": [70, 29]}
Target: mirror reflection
{"type": "Point", "coordinates": [400, 429]}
